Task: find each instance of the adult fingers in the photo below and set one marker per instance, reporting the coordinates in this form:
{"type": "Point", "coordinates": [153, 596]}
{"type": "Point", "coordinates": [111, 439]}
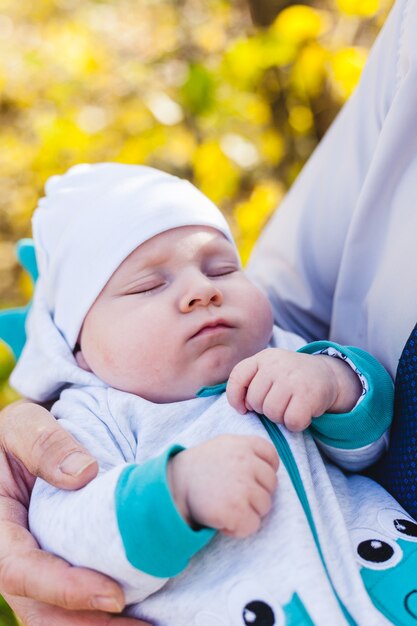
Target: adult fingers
{"type": "Point", "coordinates": [239, 379]}
{"type": "Point", "coordinates": [32, 435]}
{"type": "Point", "coordinates": [27, 571]}
{"type": "Point", "coordinates": [33, 613]}
{"type": "Point", "coordinates": [46, 578]}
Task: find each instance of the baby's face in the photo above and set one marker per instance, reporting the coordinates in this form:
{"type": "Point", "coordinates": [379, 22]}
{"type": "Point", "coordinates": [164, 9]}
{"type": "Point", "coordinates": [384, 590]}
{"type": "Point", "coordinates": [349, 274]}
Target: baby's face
{"type": "Point", "coordinates": [176, 315]}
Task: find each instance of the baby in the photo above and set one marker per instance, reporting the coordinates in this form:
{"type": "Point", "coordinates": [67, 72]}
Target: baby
{"type": "Point", "coordinates": [140, 316]}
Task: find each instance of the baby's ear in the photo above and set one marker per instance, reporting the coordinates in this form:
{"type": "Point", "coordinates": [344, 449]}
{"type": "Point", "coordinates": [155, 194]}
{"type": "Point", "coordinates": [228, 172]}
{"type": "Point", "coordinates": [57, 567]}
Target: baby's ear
{"type": "Point", "coordinates": [81, 362]}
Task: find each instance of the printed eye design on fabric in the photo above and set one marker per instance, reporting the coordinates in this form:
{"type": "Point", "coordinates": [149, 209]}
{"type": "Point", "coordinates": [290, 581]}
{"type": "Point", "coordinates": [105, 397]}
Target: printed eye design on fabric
{"type": "Point", "coordinates": [406, 527]}
{"type": "Point", "coordinates": [255, 613]}
{"type": "Point", "coordinates": [258, 613]}
{"type": "Point", "coordinates": [375, 550]}
{"type": "Point", "coordinates": [398, 524]}
{"type": "Point", "coordinates": [250, 605]}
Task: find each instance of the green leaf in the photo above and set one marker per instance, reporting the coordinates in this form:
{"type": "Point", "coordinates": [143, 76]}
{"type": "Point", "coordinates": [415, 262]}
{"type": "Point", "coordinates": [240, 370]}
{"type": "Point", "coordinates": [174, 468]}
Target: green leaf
{"type": "Point", "coordinates": [198, 91]}
{"type": "Point", "coordinates": [7, 617]}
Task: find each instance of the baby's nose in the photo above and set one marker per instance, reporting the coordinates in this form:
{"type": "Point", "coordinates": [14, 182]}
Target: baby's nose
{"type": "Point", "coordinates": [200, 292]}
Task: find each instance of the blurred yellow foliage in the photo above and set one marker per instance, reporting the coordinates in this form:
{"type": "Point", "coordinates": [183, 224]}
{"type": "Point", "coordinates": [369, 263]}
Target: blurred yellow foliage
{"type": "Point", "coordinates": [77, 53]}
{"type": "Point", "coordinates": [252, 214]}
{"type": "Point", "coordinates": [346, 67]}
{"type": "Point", "coordinates": [361, 8]}
{"type": "Point", "coordinates": [191, 87]}
{"type": "Point", "coordinates": [243, 62]}
{"type": "Point", "coordinates": [26, 286]}
{"type": "Point", "coordinates": [299, 23]}
{"type": "Point", "coordinates": [210, 36]}
{"type": "Point", "coordinates": [309, 69]}
{"type": "Point", "coordinates": [6, 362]}
{"type": "Point", "coordinates": [272, 146]}
{"type": "Point", "coordinates": [214, 172]}
{"type": "Point", "coordinates": [301, 119]}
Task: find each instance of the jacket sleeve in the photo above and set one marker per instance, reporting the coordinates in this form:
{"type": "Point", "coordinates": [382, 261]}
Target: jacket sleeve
{"type": "Point", "coordinates": [298, 258]}
{"type": "Point", "coordinates": [124, 523]}
{"type": "Point", "coordinates": [356, 439]}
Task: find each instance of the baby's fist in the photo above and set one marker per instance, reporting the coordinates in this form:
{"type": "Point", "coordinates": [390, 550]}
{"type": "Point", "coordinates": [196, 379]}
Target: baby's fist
{"type": "Point", "coordinates": [225, 483]}
{"type": "Point", "coordinates": [292, 388]}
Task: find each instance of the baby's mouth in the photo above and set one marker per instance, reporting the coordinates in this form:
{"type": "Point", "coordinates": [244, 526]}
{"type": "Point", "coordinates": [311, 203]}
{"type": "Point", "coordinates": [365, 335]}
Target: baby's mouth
{"type": "Point", "coordinates": [215, 326]}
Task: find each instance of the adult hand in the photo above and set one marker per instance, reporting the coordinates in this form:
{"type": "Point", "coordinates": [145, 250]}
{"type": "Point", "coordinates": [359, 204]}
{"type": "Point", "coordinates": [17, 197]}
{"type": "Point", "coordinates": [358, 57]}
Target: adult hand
{"type": "Point", "coordinates": [41, 588]}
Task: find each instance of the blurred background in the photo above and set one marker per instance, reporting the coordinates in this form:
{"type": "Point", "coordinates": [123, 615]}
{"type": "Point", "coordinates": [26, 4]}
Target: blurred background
{"type": "Point", "coordinates": [232, 95]}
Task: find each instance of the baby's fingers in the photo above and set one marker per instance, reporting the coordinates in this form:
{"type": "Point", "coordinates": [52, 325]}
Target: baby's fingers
{"type": "Point", "coordinates": [275, 403]}
{"type": "Point", "coordinates": [266, 475]}
{"type": "Point", "coordinates": [239, 380]}
{"type": "Point", "coordinates": [261, 501]}
{"type": "Point", "coordinates": [297, 416]}
{"type": "Point", "coordinates": [265, 451]}
{"type": "Point", "coordinates": [257, 391]}
{"type": "Point", "coordinates": [243, 525]}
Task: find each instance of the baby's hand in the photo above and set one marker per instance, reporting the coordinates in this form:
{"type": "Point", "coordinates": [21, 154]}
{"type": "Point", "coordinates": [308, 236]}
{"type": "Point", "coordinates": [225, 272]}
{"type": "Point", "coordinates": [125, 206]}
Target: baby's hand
{"type": "Point", "coordinates": [291, 388]}
{"type": "Point", "coordinates": [225, 483]}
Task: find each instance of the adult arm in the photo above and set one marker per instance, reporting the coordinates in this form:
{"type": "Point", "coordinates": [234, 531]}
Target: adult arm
{"type": "Point", "coordinates": [301, 256]}
{"type": "Point", "coordinates": [41, 588]}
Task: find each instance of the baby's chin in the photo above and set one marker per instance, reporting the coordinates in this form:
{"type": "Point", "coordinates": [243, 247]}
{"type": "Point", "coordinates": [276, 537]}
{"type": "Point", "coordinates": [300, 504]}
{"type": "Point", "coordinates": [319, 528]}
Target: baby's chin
{"type": "Point", "coordinates": [181, 394]}
{"type": "Point", "coordinates": [185, 391]}
{"type": "Point", "coordinates": [213, 368]}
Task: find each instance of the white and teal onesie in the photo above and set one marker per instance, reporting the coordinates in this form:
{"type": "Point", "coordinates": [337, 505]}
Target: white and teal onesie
{"type": "Point", "coordinates": [334, 549]}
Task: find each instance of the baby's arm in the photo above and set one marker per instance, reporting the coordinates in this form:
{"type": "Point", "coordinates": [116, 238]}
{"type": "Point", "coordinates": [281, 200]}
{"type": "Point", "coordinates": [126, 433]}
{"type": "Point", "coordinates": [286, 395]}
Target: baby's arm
{"type": "Point", "coordinates": [301, 389]}
{"type": "Point", "coordinates": [141, 524]}
{"type": "Point", "coordinates": [124, 523]}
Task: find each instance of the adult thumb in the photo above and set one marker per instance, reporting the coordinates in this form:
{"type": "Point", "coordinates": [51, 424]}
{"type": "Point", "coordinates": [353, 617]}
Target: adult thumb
{"type": "Point", "coordinates": [31, 435]}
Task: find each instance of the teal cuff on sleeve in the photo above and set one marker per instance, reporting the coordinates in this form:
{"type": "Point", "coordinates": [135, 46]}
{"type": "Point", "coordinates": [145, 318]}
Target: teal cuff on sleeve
{"type": "Point", "coordinates": [368, 421]}
{"type": "Point", "coordinates": [156, 539]}
{"type": "Point", "coordinates": [213, 390]}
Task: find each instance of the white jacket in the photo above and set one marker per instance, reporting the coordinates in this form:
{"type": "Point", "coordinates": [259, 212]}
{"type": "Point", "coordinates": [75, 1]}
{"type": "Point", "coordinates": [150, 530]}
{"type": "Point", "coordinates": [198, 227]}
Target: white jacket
{"type": "Point", "coordinates": [338, 259]}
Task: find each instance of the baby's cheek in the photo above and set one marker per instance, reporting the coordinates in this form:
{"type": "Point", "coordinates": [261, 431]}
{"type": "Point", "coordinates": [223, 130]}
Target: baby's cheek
{"type": "Point", "coordinates": [262, 320]}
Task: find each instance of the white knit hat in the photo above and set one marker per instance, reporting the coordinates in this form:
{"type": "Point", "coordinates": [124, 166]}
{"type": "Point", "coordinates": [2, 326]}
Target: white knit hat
{"type": "Point", "coordinates": [93, 217]}
{"type": "Point", "coordinates": [89, 221]}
